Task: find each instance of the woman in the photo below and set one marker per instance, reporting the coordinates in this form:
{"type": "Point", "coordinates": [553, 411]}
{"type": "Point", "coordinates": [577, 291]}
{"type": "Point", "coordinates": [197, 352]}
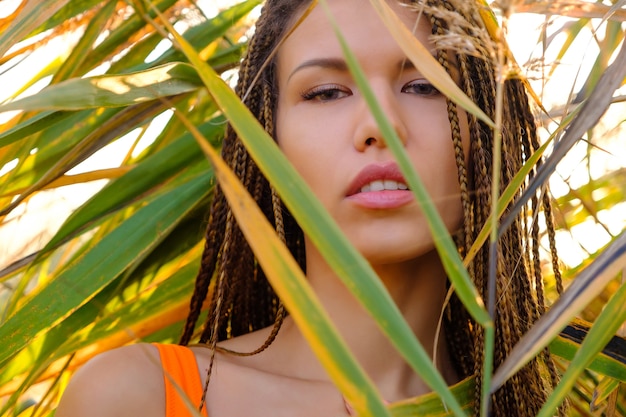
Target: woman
{"type": "Point", "coordinates": [257, 361]}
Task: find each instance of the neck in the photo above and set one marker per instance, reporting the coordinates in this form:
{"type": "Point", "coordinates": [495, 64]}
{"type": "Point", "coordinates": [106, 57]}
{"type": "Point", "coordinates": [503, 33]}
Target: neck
{"type": "Point", "coordinates": [418, 288]}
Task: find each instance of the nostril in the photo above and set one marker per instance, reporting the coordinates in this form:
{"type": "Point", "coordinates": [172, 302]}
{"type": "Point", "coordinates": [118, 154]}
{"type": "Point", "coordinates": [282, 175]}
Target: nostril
{"type": "Point", "coordinates": [370, 141]}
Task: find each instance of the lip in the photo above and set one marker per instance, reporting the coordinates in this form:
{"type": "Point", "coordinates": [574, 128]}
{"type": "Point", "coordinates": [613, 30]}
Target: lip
{"type": "Point", "coordinates": [379, 199]}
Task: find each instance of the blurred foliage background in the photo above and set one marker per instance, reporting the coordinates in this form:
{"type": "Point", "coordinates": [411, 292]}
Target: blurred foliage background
{"type": "Point", "coordinates": [103, 201]}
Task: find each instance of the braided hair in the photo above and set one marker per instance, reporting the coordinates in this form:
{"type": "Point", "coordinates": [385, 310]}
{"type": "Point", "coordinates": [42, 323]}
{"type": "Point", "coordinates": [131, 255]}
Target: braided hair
{"type": "Point", "coordinates": [241, 300]}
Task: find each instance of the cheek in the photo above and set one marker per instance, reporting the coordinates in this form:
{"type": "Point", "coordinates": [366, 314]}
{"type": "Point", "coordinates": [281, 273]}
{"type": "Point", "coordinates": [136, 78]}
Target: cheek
{"type": "Point", "coordinates": [304, 147]}
{"type": "Point", "coordinates": [437, 164]}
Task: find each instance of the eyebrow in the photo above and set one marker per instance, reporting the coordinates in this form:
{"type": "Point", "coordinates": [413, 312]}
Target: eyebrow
{"type": "Point", "coordinates": [338, 64]}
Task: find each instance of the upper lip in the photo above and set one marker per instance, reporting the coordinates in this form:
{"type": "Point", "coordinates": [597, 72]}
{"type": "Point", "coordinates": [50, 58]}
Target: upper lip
{"type": "Point", "coordinates": [373, 172]}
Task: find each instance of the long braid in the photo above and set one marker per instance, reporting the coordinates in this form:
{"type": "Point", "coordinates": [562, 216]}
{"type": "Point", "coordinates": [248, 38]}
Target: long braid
{"type": "Point", "coordinates": [549, 221]}
{"type": "Point", "coordinates": [530, 142]}
{"type": "Point", "coordinates": [459, 152]}
{"type": "Point", "coordinates": [483, 88]}
{"type": "Point", "coordinates": [516, 308]}
{"type": "Point", "coordinates": [278, 221]}
{"type": "Point", "coordinates": [456, 340]}
{"type": "Point", "coordinates": [214, 233]}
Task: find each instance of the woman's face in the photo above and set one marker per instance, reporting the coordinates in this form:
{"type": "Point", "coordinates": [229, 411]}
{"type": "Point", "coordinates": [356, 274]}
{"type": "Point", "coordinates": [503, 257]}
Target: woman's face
{"type": "Point", "coordinates": [326, 130]}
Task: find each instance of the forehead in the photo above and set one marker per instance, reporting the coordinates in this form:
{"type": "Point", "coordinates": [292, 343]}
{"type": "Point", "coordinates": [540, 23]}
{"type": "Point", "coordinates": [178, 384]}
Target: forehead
{"type": "Point", "coordinates": [360, 25]}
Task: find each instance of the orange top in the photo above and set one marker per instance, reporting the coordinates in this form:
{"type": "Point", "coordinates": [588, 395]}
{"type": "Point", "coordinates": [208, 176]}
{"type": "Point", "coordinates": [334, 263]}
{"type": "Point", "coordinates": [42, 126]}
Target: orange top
{"type": "Point", "coordinates": [180, 373]}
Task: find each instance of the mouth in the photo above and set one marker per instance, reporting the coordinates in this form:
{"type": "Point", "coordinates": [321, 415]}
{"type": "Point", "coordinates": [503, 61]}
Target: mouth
{"type": "Point", "coordinates": [378, 178]}
{"type": "Point", "coordinates": [383, 185]}
{"type": "Point", "coordinates": [380, 187]}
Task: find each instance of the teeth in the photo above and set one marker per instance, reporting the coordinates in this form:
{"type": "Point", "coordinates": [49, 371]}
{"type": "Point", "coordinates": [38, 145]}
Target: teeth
{"type": "Point", "coordinates": [377, 186]}
{"type": "Point", "coordinates": [382, 185]}
{"type": "Point", "coordinates": [390, 185]}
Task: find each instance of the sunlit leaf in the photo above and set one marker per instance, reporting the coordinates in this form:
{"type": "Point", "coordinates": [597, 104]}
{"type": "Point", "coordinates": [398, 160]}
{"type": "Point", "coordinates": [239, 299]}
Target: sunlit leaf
{"type": "Point", "coordinates": [167, 162]}
{"type": "Point", "coordinates": [605, 388]}
{"type": "Point", "coordinates": [572, 8]}
{"type": "Point", "coordinates": [72, 9]}
{"type": "Point", "coordinates": [84, 45]}
{"type": "Point", "coordinates": [99, 137]}
{"type": "Point", "coordinates": [82, 280]}
{"type": "Point", "coordinates": [111, 90]}
{"type": "Point", "coordinates": [431, 405]}
{"type": "Point", "coordinates": [117, 39]}
{"type": "Point", "coordinates": [588, 116]}
{"type": "Point", "coordinates": [34, 14]}
{"type": "Point", "coordinates": [603, 329]}
{"type": "Point", "coordinates": [611, 362]}
{"type": "Point", "coordinates": [112, 324]}
{"type": "Point", "coordinates": [33, 125]}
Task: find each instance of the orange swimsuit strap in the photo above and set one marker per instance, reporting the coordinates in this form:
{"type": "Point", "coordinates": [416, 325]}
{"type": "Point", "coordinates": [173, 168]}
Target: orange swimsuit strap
{"type": "Point", "coordinates": [180, 373]}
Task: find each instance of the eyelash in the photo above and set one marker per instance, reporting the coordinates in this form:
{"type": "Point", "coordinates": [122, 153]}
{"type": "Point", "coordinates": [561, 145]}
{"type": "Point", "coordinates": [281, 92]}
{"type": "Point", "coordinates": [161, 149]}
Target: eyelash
{"type": "Point", "coordinates": [323, 93]}
{"type": "Point", "coordinates": [432, 91]}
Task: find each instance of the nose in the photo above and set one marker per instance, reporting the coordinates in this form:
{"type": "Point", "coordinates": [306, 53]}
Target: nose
{"type": "Point", "coordinates": [368, 133]}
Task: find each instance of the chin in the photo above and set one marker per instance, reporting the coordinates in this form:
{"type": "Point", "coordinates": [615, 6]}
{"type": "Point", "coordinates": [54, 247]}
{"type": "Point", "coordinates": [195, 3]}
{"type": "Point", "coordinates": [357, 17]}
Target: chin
{"type": "Point", "coordinates": [396, 254]}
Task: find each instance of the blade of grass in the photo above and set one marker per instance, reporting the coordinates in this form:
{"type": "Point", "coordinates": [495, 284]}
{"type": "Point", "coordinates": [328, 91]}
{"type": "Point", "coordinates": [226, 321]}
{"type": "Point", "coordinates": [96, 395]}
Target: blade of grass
{"type": "Point", "coordinates": [605, 326]}
{"type": "Point", "coordinates": [85, 177]}
{"type": "Point", "coordinates": [106, 324]}
{"type": "Point", "coordinates": [44, 71]}
{"type": "Point", "coordinates": [566, 346]}
{"type": "Point", "coordinates": [292, 287]}
{"type": "Point", "coordinates": [34, 14]}
{"type": "Point", "coordinates": [574, 9]}
{"type": "Point", "coordinates": [446, 248]}
{"type": "Point", "coordinates": [425, 62]}
{"type": "Point", "coordinates": [111, 90]}
{"type": "Point", "coordinates": [572, 30]}
{"type": "Point", "coordinates": [80, 51]}
{"type": "Point", "coordinates": [507, 196]}
{"type": "Point", "coordinates": [512, 189]}
{"type": "Point", "coordinates": [204, 34]}
{"type": "Point", "coordinates": [431, 405]}
{"type": "Point", "coordinates": [588, 116]}
{"type": "Point", "coordinates": [118, 38]}
{"type": "Point", "coordinates": [154, 170]}
{"type": "Point", "coordinates": [85, 277]}
{"type": "Point", "coordinates": [71, 10]}
{"type": "Point", "coordinates": [31, 126]}
{"type": "Point", "coordinates": [613, 36]}
{"type": "Point", "coordinates": [51, 143]}
{"type": "Point", "coordinates": [488, 349]}
{"type": "Point", "coordinates": [98, 138]}
{"type": "Point", "coordinates": [604, 389]}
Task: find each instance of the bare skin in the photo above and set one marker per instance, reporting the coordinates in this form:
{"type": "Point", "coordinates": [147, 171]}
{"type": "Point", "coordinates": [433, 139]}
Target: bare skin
{"type": "Point", "coordinates": [321, 112]}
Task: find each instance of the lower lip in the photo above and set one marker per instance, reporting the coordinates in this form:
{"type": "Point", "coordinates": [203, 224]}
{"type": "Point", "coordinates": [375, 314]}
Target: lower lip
{"type": "Point", "coordinates": [388, 199]}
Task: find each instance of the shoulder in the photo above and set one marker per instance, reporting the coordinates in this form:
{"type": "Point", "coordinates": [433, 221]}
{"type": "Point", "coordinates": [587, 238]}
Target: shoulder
{"type": "Point", "coordinates": [127, 381]}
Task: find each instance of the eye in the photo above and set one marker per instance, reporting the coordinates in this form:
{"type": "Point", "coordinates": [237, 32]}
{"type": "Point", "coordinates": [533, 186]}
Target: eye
{"type": "Point", "coordinates": [420, 87]}
{"type": "Point", "coordinates": [324, 93]}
